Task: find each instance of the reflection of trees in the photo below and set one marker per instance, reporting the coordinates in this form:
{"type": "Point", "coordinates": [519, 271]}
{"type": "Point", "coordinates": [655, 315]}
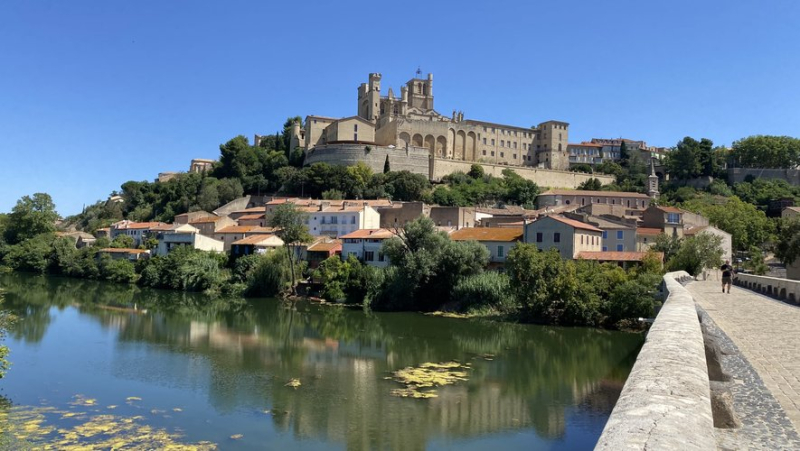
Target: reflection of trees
{"type": "Point", "coordinates": [250, 350]}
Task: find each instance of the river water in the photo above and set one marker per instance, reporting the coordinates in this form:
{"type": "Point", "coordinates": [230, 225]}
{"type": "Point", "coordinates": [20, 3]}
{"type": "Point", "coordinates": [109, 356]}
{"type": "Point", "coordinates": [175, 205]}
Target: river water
{"type": "Point", "coordinates": [112, 365]}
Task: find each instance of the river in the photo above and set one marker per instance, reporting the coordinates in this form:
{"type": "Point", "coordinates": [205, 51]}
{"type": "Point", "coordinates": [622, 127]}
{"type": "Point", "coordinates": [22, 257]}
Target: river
{"type": "Point", "coordinates": [113, 365]}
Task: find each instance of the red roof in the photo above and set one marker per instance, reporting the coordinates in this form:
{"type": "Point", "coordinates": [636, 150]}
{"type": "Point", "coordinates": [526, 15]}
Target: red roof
{"type": "Point", "coordinates": [235, 229]}
{"type": "Point", "coordinates": [670, 209]}
{"type": "Point", "coordinates": [613, 256]}
{"type": "Point", "coordinates": [325, 246]}
{"type": "Point", "coordinates": [573, 223]}
{"type": "Point", "coordinates": [648, 231]}
{"type": "Point", "coordinates": [505, 234]}
{"type": "Point", "coordinates": [377, 234]}
{"type": "Point", "coordinates": [206, 220]}
{"type": "Point", "coordinates": [252, 217]}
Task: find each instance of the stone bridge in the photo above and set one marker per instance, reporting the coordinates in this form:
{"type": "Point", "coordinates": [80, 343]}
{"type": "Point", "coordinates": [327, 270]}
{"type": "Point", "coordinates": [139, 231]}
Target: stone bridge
{"type": "Point", "coordinates": [717, 370]}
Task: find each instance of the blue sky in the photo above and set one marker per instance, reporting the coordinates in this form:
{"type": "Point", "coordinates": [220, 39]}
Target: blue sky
{"type": "Point", "coordinates": [93, 94]}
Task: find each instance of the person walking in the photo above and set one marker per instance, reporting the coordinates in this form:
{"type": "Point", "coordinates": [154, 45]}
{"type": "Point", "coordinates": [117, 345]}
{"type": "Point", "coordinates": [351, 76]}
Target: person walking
{"type": "Point", "coordinates": [727, 276]}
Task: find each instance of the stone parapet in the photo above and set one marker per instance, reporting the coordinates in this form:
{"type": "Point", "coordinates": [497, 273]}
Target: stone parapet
{"type": "Point", "coordinates": [784, 289]}
{"type": "Point", "coordinates": [666, 404]}
{"type": "Point", "coordinates": [550, 178]}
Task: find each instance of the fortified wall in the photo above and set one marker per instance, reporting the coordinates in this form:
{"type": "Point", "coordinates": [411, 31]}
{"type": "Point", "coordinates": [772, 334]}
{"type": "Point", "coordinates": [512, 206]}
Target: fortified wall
{"type": "Point", "coordinates": [412, 159]}
{"type": "Point", "coordinates": [543, 177]}
{"type": "Point", "coordinates": [417, 160]}
{"type": "Point", "coordinates": [738, 175]}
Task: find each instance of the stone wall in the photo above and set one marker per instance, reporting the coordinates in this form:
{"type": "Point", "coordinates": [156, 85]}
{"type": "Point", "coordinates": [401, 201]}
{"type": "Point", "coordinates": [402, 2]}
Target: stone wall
{"type": "Point", "coordinates": [737, 175]}
{"type": "Point", "coordinates": [543, 177]}
{"type": "Point", "coordinates": [666, 401]}
{"type": "Point", "coordinates": [783, 289]}
{"type": "Point", "coordinates": [414, 159]}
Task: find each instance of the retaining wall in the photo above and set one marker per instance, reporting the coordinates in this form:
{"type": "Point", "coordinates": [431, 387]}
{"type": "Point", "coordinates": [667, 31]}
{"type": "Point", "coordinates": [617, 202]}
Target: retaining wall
{"type": "Point", "coordinates": [784, 289]}
{"type": "Point", "coordinates": [666, 401]}
{"type": "Point", "coordinates": [413, 159]}
{"type": "Point", "coordinates": [543, 177]}
{"type": "Point", "coordinates": [738, 175]}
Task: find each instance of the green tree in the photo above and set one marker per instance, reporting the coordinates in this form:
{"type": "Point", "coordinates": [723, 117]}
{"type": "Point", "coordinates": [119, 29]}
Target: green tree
{"type": "Point", "coordinates": [691, 158]}
{"type": "Point", "coordinates": [581, 167]}
{"type": "Point", "coordinates": [748, 225]}
{"type": "Point", "coordinates": [591, 184]}
{"type": "Point", "coordinates": [122, 242]}
{"type": "Point", "coordinates": [542, 282]}
{"type": "Point", "coordinates": [31, 216]}
{"type": "Point", "coordinates": [476, 171]}
{"type": "Point", "coordinates": [624, 154]}
{"type": "Point", "coordinates": [696, 253]}
{"type": "Point", "coordinates": [288, 221]}
{"type": "Point", "coordinates": [519, 191]}
{"type": "Point", "coordinates": [667, 244]}
{"type": "Point", "coordinates": [763, 151]}
{"type": "Point", "coordinates": [787, 248]}
{"type": "Point", "coordinates": [386, 167]}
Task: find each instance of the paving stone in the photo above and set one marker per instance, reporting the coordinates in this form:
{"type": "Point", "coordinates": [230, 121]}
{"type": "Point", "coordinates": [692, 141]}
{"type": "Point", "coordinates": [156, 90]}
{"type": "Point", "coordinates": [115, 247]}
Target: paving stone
{"type": "Point", "coordinates": [758, 337]}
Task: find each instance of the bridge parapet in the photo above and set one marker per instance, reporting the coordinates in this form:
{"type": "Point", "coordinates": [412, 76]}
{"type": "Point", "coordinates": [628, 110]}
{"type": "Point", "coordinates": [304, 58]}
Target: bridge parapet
{"type": "Point", "coordinates": [784, 289]}
{"type": "Point", "coordinates": [666, 401]}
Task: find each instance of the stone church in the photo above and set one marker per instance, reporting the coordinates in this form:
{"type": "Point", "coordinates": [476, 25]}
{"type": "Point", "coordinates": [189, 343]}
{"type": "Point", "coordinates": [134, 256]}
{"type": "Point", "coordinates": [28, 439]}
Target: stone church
{"type": "Point", "coordinates": [409, 130]}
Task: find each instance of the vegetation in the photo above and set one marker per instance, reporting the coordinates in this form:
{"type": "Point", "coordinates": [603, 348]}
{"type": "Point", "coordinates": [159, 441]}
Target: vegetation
{"type": "Point", "coordinates": [787, 248]}
{"type": "Point", "coordinates": [6, 319]}
{"type": "Point", "coordinates": [696, 253]}
{"type": "Point", "coordinates": [763, 151]}
{"type": "Point", "coordinates": [288, 221]}
{"type": "Point", "coordinates": [691, 159]}
{"type": "Point", "coordinates": [476, 188]}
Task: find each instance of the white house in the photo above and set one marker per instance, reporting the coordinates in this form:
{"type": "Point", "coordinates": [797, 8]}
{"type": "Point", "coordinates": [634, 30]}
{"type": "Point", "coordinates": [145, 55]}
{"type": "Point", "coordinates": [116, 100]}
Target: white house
{"type": "Point", "coordinates": [337, 221]}
{"type": "Point", "coordinates": [365, 245]}
{"type": "Point", "coordinates": [186, 235]}
{"type": "Point", "coordinates": [498, 240]}
{"type": "Point", "coordinates": [137, 230]}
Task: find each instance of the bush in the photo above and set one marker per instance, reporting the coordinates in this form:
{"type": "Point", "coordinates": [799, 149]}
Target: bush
{"type": "Point", "coordinates": [271, 275]}
{"type": "Point", "coordinates": [633, 299]}
{"type": "Point", "coordinates": [481, 291]}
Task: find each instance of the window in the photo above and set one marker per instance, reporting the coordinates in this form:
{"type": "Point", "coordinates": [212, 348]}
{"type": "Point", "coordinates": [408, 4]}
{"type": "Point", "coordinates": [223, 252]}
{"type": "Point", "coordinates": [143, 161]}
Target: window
{"type": "Point", "coordinates": [484, 151]}
{"type": "Point", "coordinates": [620, 234]}
{"type": "Point", "coordinates": [353, 220]}
{"type": "Point", "coordinates": [369, 256]}
{"type": "Point", "coordinates": [502, 143]}
{"type": "Point", "coordinates": [538, 237]}
{"type": "Point", "coordinates": [556, 237]}
{"type": "Point", "coordinates": [515, 156]}
{"type": "Point", "coordinates": [619, 248]}
{"type": "Point", "coordinates": [673, 218]}
{"type": "Point", "coordinates": [492, 141]}
{"type": "Point", "coordinates": [502, 154]}
{"type": "Point", "coordinates": [515, 144]}
{"type": "Point", "coordinates": [500, 251]}
{"type": "Point", "coordinates": [605, 248]}
{"type": "Point", "coordinates": [605, 234]}
{"type": "Point", "coordinates": [581, 239]}
{"type": "Point", "coordinates": [381, 257]}
{"type": "Point", "coordinates": [355, 127]}
{"type": "Point", "coordinates": [484, 141]}
{"type": "Point", "coordinates": [355, 136]}
{"type": "Point", "coordinates": [493, 153]}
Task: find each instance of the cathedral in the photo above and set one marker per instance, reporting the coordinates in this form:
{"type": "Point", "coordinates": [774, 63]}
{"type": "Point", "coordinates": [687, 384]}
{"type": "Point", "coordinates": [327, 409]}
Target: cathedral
{"type": "Point", "coordinates": [410, 122]}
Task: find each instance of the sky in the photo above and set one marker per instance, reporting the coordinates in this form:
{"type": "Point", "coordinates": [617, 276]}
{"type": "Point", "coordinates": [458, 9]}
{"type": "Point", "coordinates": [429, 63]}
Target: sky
{"type": "Point", "coordinates": [96, 93]}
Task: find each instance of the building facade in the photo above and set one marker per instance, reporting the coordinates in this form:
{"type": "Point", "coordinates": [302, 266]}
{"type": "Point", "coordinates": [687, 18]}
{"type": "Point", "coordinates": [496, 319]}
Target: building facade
{"type": "Point", "coordinates": [568, 236]}
{"type": "Point", "coordinates": [410, 122]}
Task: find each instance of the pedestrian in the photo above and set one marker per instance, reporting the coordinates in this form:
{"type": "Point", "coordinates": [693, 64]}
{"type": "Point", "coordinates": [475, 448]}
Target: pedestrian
{"type": "Point", "coordinates": [727, 276]}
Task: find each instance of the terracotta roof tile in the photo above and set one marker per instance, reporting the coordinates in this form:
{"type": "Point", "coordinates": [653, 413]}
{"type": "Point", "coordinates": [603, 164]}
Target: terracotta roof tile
{"type": "Point", "coordinates": [616, 256]}
{"type": "Point", "coordinates": [377, 234]}
{"type": "Point", "coordinates": [648, 231]}
{"type": "Point", "coordinates": [487, 234]}
{"type": "Point", "coordinates": [206, 220]}
{"type": "Point", "coordinates": [252, 217]}
{"type": "Point", "coordinates": [235, 229]}
{"type": "Point", "coordinates": [325, 246]}
{"type": "Point", "coordinates": [573, 223]}
{"type": "Point", "coordinates": [670, 209]}
{"type": "Point", "coordinates": [253, 240]}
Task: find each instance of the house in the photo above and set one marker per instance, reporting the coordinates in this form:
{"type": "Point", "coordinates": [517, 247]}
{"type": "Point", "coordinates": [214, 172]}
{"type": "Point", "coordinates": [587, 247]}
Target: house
{"type": "Point", "coordinates": [498, 240]}
{"type": "Point", "coordinates": [235, 233]}
{"type": "Point", "coordinates": [401, 213]}
{"type": "Point", "coordinates": [727, 242]}
{"type": "Point", "coordinates": [458, 217]}
{"type": "Point", "coordinates": [790, 212]}
{"type": "Point", "coordinates": [335, 221]}
{"type": "Point", "coordinates": [255, 220]}
{"type": "Point", "coordinates": [618, 235]}
{"type": "Point", "coordinates": [238, 214]}
{"type": "Point", "coordinates": [623, 259]}
{"type": "Point", "coordinates": [321, 250]}
{"type": "Point", "coordinates": [569, 236]}
{"type": "Point", "coordinates": [255, 244]}
{"type": "Point", "coordinates": [78, 239]}
{"type": "Point", "coordinates": [104, 232]}
{"type": "Point", "coordinates": [669, 220]}
{"type": "Point", "coordinates": [646, 237]}
{"type": "Point", "coordinates": [365, 245]}
{"type": "Point", "coordinates": [556, 197]}
{"type": "Point", "coordinates": [209, 225]}
{"type": "Point", "coordinates": [124, 254]}
{"type": "Point", "coordinates": [139, 231]}
{"type": "Point", "coordinates": [186, 235]}
{"type": "Point", "coordinates": [500, 217]}
{"type": "Point", "coordinates": [186, 218]}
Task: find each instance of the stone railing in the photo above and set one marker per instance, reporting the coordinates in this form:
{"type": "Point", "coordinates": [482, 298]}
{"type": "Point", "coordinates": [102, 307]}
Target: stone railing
{"type": "Point", "coordinates": [666, 402]}
{"type": "Point", "coordinates": [784, 289]}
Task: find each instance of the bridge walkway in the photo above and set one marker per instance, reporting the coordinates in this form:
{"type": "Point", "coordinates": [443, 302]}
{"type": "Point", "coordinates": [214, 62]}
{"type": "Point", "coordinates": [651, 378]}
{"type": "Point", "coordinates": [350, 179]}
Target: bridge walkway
{"type": "Point", "coordinates": [766, 331]}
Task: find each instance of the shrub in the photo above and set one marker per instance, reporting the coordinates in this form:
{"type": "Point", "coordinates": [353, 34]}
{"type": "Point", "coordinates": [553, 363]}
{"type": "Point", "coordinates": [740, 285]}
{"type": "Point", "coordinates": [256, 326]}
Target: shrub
{"type": "Point", "coordinates": [485, 290]}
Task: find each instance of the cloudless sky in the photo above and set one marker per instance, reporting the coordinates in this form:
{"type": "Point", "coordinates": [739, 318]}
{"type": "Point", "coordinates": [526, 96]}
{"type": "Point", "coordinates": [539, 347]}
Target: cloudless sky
{"type": "Point", "coordinates": [96, 93]}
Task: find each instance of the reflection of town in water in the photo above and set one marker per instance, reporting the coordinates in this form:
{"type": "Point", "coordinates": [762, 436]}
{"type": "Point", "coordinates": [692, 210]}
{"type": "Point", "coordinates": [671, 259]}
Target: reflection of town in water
{"type": "Point", "coordinates": [523, 377]}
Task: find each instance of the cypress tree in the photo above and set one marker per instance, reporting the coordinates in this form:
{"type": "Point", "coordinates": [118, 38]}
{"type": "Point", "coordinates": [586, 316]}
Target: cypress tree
{"type": "Point", "coordinates": [386, 167]}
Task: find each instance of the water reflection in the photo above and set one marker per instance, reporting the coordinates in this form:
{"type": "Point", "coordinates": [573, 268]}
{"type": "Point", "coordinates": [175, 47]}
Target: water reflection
{"type": "Point", "coordinates": [242, 354]}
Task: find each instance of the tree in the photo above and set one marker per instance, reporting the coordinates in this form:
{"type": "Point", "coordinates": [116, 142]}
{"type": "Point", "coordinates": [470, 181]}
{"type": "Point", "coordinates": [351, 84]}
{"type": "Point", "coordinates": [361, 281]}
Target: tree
{"type": "Point", "coordinates": [691, 159]}
{"type": "Point", "coordinates": [288, 221]}
{"type": "Point", "coordinates": [405, 186]}
{"type": "Point", "coordinates": [748, 225]}
{"type": "Point", "coordinates": [30, 217]}
{"type": "Point", "coordinates": [696, 253]}
{"type": "Point", "coordinates": [122, 242]}
{"type": "Point", "coordinates": [581, 167]}
{"type": "Point", "coordinates": [591, 184]}
{"type": "Point", "coordinates": [386, 167]}
{"type": "Point", "coordinates": [624, 155]}
{"type": "Point", "coordinates": [476, 171]}
{"type": "Point", "coordinates": [763, 151]}
{"type": "Point", "coordinates": [667, 244]}
{"type": "Point", "coordinates": [541, 281]}
{"type": "Point", "coordinates": [787, 248]}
